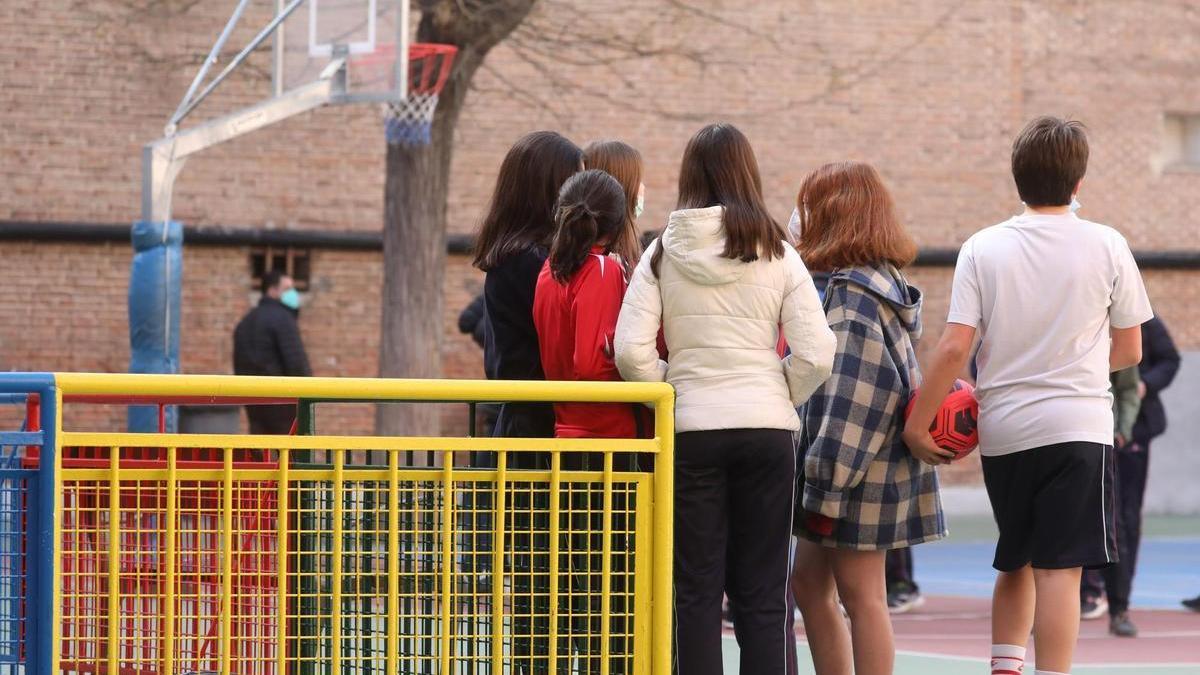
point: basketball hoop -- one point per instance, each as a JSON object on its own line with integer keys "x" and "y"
{"x": 409, "y": 122}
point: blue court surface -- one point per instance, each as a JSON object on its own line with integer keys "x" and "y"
{"x": 950, "y": 633}
{"x": 1168, "y": 567}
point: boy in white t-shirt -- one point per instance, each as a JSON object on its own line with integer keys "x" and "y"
{"x": 1057, "y": 302}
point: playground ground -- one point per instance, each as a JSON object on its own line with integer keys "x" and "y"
{"x": 950, "y": 633}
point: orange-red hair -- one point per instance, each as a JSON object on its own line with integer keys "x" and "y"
{"x": 848, "y": 218}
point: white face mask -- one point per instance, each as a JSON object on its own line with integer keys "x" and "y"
{"x": 794, "y": 225}
{"x": 1074, "y": 204}
{"x": 641, "y": 202}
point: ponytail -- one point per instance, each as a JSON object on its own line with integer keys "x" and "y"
{"x": 590, "y": 210}
{"x": 577, "y": 233}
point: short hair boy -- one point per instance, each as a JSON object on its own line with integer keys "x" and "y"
{"x": 1047, "y": 292}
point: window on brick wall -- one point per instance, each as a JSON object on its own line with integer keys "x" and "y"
{"x": 1181, "y": 140}
{"x": 294, "y": 262}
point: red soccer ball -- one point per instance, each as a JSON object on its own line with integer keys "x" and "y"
{"x": 955, "y": 427}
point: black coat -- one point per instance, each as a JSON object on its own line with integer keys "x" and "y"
{"x": 473, "y": 321}
{"x": 511, "y": 343}
{"x": 267, "y": 342}
{"x": 1160, "y": 363}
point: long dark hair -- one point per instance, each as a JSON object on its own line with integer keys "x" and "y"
{"x": 623, "y": 162}
{"x": 719, "y": 168}
{"x": 590, "y": 210}
{"x": 521, "y": 213}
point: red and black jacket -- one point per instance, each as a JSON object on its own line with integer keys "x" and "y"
{"x": 575, "y": 325}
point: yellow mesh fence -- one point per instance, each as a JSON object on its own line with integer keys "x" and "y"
{"x": 262, "y": 555}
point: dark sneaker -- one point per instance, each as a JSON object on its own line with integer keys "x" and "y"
{"x": 901, "y": 601}
{"x": 1093, "y": 608}
{"x": 1121, "y": 626}
{"x": 1193, "y": 603}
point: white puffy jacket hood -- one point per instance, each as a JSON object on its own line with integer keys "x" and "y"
{"x": 721, "y": 319}
{"x": 695, "y": 240}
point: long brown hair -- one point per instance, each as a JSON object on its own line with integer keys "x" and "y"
{"x": 848, "y": 218}
{"x": 521, "y": 213}
{"x": 719, "y": 168}
{"x": 590, "y": 210}
{"x": 623, "y": 162}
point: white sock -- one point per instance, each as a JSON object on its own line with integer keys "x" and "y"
{"x": 1008, "y": 660}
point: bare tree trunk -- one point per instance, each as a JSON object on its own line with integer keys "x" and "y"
{"x": 414, "y": 233}
{"x": 414, "y": 258}
{"x": 414, "y": 253}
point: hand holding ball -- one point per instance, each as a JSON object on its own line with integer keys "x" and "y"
{"x": 955, "y": 427}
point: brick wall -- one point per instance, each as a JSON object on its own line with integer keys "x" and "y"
{"x": 931, "y": 95}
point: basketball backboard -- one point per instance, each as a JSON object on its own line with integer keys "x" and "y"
{"x": 324, "y": 51}
{"x": 371, "y": 35}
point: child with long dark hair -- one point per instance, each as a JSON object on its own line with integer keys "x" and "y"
{"x": 722, "y": 281}
{"x": 861, "y": 492}
{"x": 578, "y": 298}
{"x": 512, "y": 245}
{"x": 575, "y": 311}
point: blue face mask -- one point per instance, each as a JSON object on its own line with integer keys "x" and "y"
{"x": 1074, "y": 205}
{"x": 290, "y": 298}
{"x": 640, "y": 206}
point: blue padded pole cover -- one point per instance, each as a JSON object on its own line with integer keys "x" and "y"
{"x": 155, "y": 293}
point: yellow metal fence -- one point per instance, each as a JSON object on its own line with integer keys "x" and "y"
{"x": 220, "y": 554}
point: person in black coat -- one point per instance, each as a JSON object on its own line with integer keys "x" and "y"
{"x": 1160, "y": 363}
{"x": 267, "y": 342}
{"x": 512, "y": 245}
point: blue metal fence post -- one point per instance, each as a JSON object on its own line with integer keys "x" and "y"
{"x": 40, "y": 628}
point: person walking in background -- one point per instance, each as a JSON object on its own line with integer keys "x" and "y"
{"x": 624, "y": 163}
{"x": 511, "y": 248}
{"x": 1058, "y": 303}
{"x": 722, "y": 281}
{"x": 267, "y": 342}
{"x": 861, "y": 492}
{"x": 903, "y": 593}
{"x": 1160, "y": 363}
{"x": 1127, "y": 402}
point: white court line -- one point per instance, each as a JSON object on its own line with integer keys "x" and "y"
{"x": 976, "y": 659}
{"x": 1150, "y": 634}
{"x": 962, "y": 616}
{"x": 942, "y": 657}
{"x": 1162, "y": 635}
{"x": 1077, "y": 666}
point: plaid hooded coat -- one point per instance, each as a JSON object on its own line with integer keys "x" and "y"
{"x": 854, "y": 468}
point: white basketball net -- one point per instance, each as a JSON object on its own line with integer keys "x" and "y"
{"x": 409, "y": 122}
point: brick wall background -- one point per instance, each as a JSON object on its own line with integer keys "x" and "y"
{"x": 931, "y": 93}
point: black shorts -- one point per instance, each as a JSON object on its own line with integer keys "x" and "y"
{"x": 1054, "y": 506}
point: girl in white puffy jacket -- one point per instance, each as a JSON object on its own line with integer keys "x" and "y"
{"x": 722, "y": 282}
